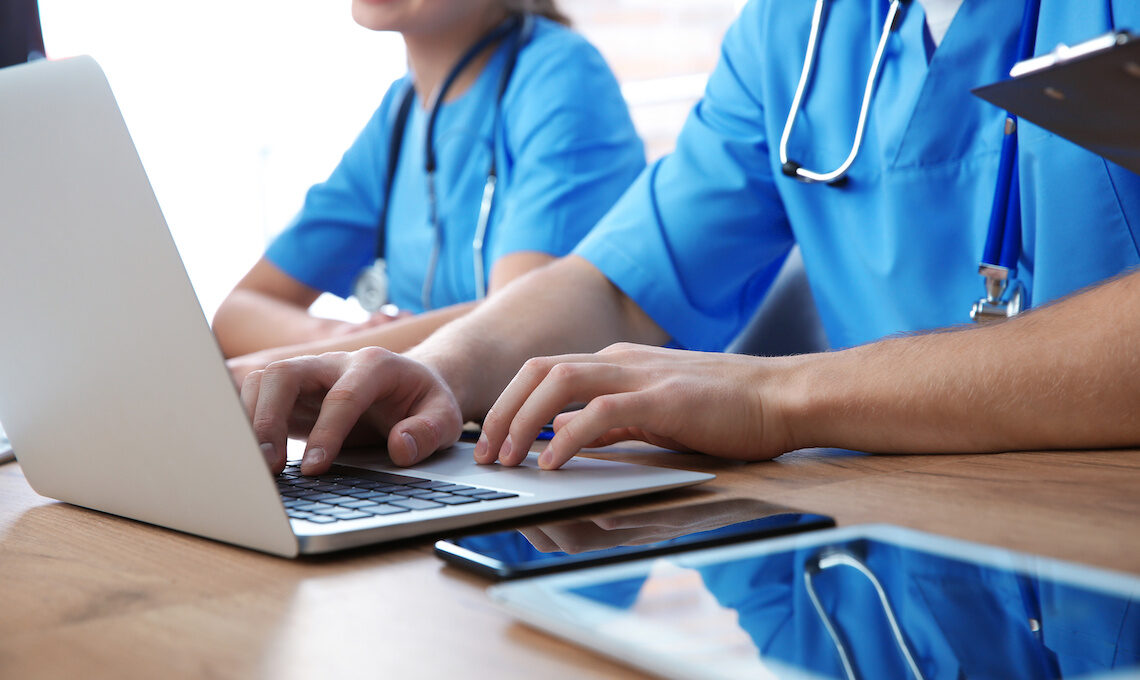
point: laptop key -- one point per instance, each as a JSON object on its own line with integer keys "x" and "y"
{"x": 416, "y": 504}
{"x": 430, "y": 484}
{"x": 456, "y": 500}
{"x": 320, "y": 519}
{"x": 393, "y": 488}
{"x": 422, "y": 493}
{"x": 404, "y": 490}
{"x": 495, "y": 495}
{"x": 314, "y": 507}
{"x": 361, "y": 473}
{"x": 383, "y": 509}
{"x": 454, "y": 487}
{"x": 380, "y": 497}
{"x": 357, "y": 504}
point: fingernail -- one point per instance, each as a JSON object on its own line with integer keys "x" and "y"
{"x": 269, "y": 452}
{"x": 505, "y": 452}
{"x": 413, "y": 450}
{"x": 545, "y": 459}
{"x": 314, "y": 456}
{"x": 481, "y": 447}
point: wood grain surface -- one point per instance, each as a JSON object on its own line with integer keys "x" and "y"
{"x": 83, "y": 594}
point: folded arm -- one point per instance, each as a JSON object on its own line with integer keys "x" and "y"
{"x": 266, "y": 314}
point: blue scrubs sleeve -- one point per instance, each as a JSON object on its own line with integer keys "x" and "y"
{"x": 571, "y": 148}
{"x": 699, "y": 237}
{"x": 333, "y": 237}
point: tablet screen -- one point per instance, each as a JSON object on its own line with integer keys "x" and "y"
{"x": 873, "y": 602}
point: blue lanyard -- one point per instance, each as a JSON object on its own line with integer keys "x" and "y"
{"x": 1004, "y": 294}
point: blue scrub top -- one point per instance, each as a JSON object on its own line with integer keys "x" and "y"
{"x": 699, "y": 237}
{"x": 566, "y": 150}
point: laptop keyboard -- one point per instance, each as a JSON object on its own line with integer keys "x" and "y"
{"x": 345, "y": 493}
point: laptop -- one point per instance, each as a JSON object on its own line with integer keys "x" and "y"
{"x": 114, "y": 391}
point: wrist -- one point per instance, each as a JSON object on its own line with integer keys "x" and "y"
{"x": 799, "y": 399}
{"x": 454, "y": 373}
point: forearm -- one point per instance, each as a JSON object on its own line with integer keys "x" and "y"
{"x": 250, "y": 321}
{"x": 397, "y": 336}
{"x": 1063, "y": 376}
{"x": 566, "y": 307}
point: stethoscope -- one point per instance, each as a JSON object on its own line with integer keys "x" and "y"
{"x": 843, "y": 558}
{"x": 1005, "y": 294}
{"x": 371, "y": 287}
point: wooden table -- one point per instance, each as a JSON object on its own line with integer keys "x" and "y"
{"x": 87, "y": 595}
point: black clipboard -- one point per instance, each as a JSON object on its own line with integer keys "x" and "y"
{"x": 1088, "y": 93}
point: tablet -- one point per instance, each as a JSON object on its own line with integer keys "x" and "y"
{"x": 1088, "y": 93}
{"x": 856, "y": 602}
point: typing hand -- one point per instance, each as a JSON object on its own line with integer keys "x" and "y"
{"x": 681, "y": 400}
{"x": 368, "y": 396}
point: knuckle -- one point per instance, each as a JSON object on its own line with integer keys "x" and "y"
{"x": 265, "y": 422}
{"x": 369, "y": 355}
{"x": 493, "y": 422}
{"x": 535, "y": 365}
{"x": 620, "y": 348}
{"x": 606, "y": 405}
{"x": 565, "y": 372}
{"x": 343, "y": 397}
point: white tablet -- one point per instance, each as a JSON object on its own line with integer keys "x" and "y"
{"x": 857, "y": 602}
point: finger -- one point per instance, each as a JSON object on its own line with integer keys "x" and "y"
{"x": 250, "y": 388}
{"x": 565, "y": 383}
{"x": 540, "y": 540}
{"x": 435, "y": 424}
{"x": 600, "y": 416}
{"x": 249, "y": 391}
{"x": 496, "y": 425}
{"x": 358, "y": 383}
{"x": 618, "y": 434}
{"x": 269, "y": 395}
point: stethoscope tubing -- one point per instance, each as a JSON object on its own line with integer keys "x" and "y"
{"x": 522, "y": 27}
{"x": 795, "y": 169}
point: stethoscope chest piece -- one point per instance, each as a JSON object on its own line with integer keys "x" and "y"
{"x": 371, "y": 287}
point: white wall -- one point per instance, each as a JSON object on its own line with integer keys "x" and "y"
{"x": 236, "y": 107}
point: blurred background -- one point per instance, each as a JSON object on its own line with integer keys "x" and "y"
{"x": 238, "y": 106}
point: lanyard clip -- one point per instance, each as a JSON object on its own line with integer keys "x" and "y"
{"x": 1004, "y": 295}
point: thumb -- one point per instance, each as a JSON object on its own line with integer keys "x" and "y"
{"x": 436, "y": 424}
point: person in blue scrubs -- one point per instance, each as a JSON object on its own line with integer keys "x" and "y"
{"x": 688, "y": 252}
{"x": 564, "y": 148}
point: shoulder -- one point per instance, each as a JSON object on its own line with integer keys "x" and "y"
{"x": 385, "y": 113}
{"x": 557, "y": 55}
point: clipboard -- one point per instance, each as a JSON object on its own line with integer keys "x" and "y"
{"x": 1088, "y": 93}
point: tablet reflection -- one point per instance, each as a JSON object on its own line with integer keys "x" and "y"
{"x": 865, "y": 609}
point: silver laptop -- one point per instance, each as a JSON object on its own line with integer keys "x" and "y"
{"x": 115, "y": 393}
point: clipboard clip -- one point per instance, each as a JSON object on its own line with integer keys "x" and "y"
{"x": 1064, "y": 53}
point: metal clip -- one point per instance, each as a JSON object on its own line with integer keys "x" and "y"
{"x": 1004, "y": 296}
